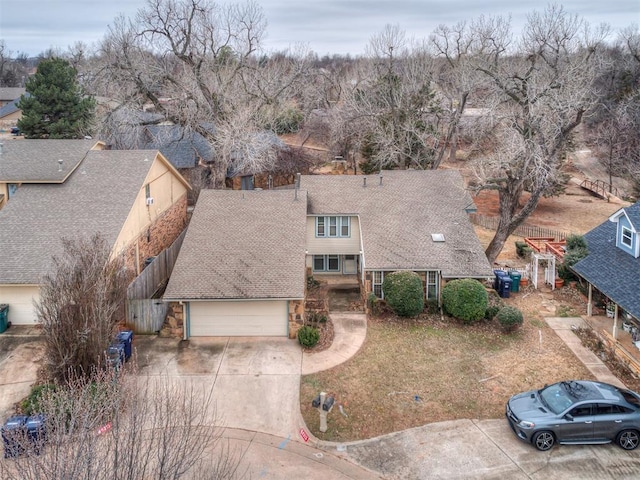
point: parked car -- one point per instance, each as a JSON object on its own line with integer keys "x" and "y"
{"x": 576, "y": 412}
{"x": 15, "y": 131}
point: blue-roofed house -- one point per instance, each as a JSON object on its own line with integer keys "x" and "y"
{"x": 612, "y": 266}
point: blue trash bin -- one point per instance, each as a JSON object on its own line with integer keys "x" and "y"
{"x": 14, "y": 436}
{"x": 115, "y": 355}
{"x": 4, "y": 317}
{"x": 36, "y": 432}
{"x": 496, "y": 281}
{"x": 504, "y": 289}
{"x": 126, "y": 338}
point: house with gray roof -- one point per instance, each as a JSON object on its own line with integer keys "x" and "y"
{"x": 613, "y": 263}
{"x": 9, "y": 94}
{"x": 247, "y": 254}
{"x": 56, "y": 189}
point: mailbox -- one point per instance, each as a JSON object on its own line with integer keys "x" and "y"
{"x": 328, "y": 403}
{"x": 315, "y": 403}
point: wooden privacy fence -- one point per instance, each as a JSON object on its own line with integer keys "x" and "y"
{"x": 146, "y": 312}
{"x": 522, "y": 231}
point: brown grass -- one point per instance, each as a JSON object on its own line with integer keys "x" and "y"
{"x": 412, "y": 372}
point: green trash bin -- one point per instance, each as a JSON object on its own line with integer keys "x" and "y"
{"x": 4, "y": 313}
{"x": 515, "y": 281}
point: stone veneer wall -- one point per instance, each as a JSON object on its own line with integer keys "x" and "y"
{"x": 296, "y": 316}
{"x": 174, "y": 324}
{"x": 159, "y": 235}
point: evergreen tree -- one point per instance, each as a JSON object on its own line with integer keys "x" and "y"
{"x": 56, "y": 106}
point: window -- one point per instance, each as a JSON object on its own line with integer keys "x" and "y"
{"x": 333, "y": 227}
{"x": 147, "y": 190}
{"x": 581, "y": 411}
{"x": 607, "y": 409}
{"x": 326, "y": 263}
{"x": 376, "y": 284}
{"x": 432, "y": 285}
{"x": 626, "y": 237}
{"x": 246, "y": 182}
{"x": 12, "y": 189}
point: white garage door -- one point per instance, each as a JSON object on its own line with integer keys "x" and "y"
{"x": 20, "y": 300}
{"x": 238, "y": 319}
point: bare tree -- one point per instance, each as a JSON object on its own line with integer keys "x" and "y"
{"x": 80, "y": 303}
{"x": 117, "y": 425}
{"x": 196, "y": 63}
{"x": 540, "y": 91}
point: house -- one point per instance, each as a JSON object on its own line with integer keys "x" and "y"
{"x": 246, "y": 256}
{"x": 9, "y": 94}
{"x": 613, "y": 263}
{"x": 56, "y": 189}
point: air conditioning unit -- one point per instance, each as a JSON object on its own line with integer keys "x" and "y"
{"x": 149, "y": 201}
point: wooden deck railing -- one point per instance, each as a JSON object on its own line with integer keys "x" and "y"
{"x": 622, "y": 352}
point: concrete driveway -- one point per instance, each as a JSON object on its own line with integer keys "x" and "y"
{"x": 21, "y": 352}
{"x": 256, "y": 380}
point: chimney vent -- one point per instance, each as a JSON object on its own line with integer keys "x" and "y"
{"x": 60, "y": 164}
{"x": 364, "y": 181}
{"x": 380, "y": 178}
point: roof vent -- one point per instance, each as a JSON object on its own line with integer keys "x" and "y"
{"x": 437, "y": 237}
{"x": 60, "y": 164}
{"x": 380, "y": 178}
{"x": 364, "y": 181}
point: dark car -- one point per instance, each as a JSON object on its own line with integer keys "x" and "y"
{"x": 15, "y": 131}
{"x": 576, "y": 412}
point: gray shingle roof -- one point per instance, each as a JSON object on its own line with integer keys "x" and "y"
{"x": 11, "y": 93}
{"x": 37, "y": 161}
{"x": 398, "y": 217}
{"x": 242, "y": 245}
{"x": 97, "y": 197}
{"x": 612, "y": 271}
{"x": 183, "y": 149}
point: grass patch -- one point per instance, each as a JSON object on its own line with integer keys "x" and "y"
{"x": 412, "y": 372}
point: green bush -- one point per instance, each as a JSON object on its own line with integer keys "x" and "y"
{"x": 308, "y": 336}
{"x": 522, "y": 249}
{"x": 465, "y": 299}
{"x": 575, "y": 241}
{"x": 288, "y": 121}
{"x": 403, "y": 293}
{"x": 576, "y": 250}
{"x": 510, "y": 318}
{"x": 31, "y": 405}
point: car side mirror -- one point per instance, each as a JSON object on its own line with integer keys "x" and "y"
{"x": 569, "y": 417}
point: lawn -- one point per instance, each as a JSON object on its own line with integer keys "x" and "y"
{"x": 412, "y": 372}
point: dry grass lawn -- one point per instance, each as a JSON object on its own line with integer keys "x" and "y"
{"x": 412, "y": 372}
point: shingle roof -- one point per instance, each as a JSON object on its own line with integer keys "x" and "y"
{"x": 37, "y": 161}
{"x": 182, "y": 149}
{"x": 97, "y": 197}
{"x": 11, "y": 93}
{"x": 10, "y": 107}
{"x": 242, "y": 245}
{"x": 398, "y": 217}
{"x": 612, "y": 271}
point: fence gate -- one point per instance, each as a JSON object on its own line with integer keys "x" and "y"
{"x": 549, "y": 262}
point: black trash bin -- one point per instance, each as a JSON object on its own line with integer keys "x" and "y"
{"x": 14, "y": 436}
{"x": 36, "y": 432}
{"x": 126, "y": 338}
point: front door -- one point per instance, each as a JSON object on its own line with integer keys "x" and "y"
{"x": 350, "y": 265}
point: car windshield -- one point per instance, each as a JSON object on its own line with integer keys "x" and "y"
{"x": 560, "y": 396}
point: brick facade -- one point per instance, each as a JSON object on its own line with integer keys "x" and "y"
{"x": 158, "y": 236}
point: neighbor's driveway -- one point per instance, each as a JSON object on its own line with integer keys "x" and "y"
{"x": 256, "y": 380}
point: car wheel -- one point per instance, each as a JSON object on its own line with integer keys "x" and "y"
{"x": 544, "y": 441}
{"x": 628, "y": 439}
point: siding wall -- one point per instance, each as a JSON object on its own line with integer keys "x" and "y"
{"x": 334, "y": 245}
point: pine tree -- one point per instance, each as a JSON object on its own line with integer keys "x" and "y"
{"x": 56, "y": 106}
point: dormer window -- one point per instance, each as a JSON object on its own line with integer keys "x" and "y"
{"x": 626, "y": 239}
{"x": 333, "y": 227}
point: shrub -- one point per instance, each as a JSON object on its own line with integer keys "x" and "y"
{"x": 576, "y": 251}
{"x": 575, "y": 241}
{"x": 32, "y": 404}
{"x": 510, "y": 318}
{"x": 403, "y": 293}
{"x": 314, "y": 317}
{"x": 522, "y": 249}
{"x": 308, "y": 336}
{"x": 465, "y": 299}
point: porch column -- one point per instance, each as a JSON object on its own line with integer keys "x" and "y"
{"x": 589, "y": 307}
{"x": 615, "y": 322}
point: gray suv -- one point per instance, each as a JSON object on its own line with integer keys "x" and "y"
{"x": 576, "y": 412}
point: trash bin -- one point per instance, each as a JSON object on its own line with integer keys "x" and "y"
{"x": 496, "y": 281}
{"x": 4, "y": 317}
{"x": 515, "y": 280}
{"x": 36, "y": 432}
{"x": 115, "y": 355}
{"x": 126, "y": 338}
{"x": 504, "y": 289}
{"x": 14, "y": 436}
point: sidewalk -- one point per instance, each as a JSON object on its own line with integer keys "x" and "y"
{"x": 563, "y": 326}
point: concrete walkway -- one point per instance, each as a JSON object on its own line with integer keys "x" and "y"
{"x": 564, "y": 326}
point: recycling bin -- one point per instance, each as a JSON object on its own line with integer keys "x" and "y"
{"x": 4, "y": 317}
{"x": 498, "y": 275}
{"x": 14, "y": 436}
{"x": 115, "y": 355}
{"x": 515, "y": 280}
{"x": 126, "y": 338}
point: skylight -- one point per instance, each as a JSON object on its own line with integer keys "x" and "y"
{"x": 437, "y": 237}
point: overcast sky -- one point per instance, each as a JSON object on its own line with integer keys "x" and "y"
{"x": 325, "y": 26}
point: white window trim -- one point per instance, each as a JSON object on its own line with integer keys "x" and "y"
{"x": 623, "y": 237}
{"x": 340, "y": 222}
{"x": 325, "y": 263}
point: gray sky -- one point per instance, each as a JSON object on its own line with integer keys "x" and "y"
{"x": 325, "y": 26}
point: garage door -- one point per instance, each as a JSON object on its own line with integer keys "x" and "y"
{"x": 238, "y": 319}
{"x": 20, "y": 300}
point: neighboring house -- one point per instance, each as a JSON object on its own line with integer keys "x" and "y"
{"x": 184, "y": 149}
{"x": 75, "y": 188}
{"x": 613, "y": 263}
{"x": 9, "y": 111}
{"x": 246, "y": 256}
{"x": 9, "y": 94}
